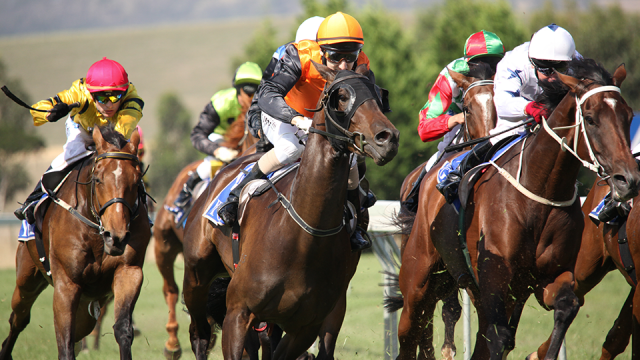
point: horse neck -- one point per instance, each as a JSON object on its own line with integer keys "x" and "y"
{"x": 547, "y": 170}
{"x": 319, "y": 188}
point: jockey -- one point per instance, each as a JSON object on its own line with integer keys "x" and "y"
{"x": 516, "y": 88}
{"x": 306, "y": 31}
{"x": 105, "y": 96}
{"x": 442, "y": 114}
{"x": 218, "y": 114}
{"x": 294, "y": 87}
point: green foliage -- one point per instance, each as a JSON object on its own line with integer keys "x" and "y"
{"x": 606, "y": 34}
{"x": 172, "y": 149}
{"x": 16, "y": 137}
{"x": 260, "y": 49}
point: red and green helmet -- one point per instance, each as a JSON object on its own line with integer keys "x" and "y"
{"x": 483, "y": 43}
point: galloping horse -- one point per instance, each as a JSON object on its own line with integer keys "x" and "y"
{"x": 168, "y": 235}
{"x": 480, "y": 117}
{"x": 293, "y": 273}
{"x": 526, "y": 239}
{"x": 95, "y": 249}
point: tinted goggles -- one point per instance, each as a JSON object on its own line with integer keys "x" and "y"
{"x": 105, "y": 97}
{"x": 547, "y": 68}
{"x": 336, "y": 57}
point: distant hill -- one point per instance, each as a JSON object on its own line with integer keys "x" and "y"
{"x": 35, "y": 16}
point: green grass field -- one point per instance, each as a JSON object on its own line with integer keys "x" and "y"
{"x": 361, "y": 336}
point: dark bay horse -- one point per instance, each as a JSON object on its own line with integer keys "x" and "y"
{"x": 521, "y": 244}
{"x": 168, "y": 235}
{"x": 88, "y": 264}
{"x": 285, "y": 274}
{"x": 480, "y": 117}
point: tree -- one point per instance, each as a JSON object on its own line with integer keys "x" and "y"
{"x": 172, "y": 149}
{"x": 15, "y": 139}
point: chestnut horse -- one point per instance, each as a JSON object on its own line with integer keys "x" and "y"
{"x": 168, "y": 235}
{"x": 480, "y": 117}
{"x": 521, "y": 240}
{"x": 95, "y": 250}
{"x": 289, "y": 275}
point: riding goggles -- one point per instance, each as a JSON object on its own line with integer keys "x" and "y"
{"x": 105, "y": 97}
{"x": 337, "y": 56}
{"x": 547, "y": 68}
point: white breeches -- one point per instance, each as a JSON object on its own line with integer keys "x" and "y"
{"x": 285, "y": 139}
{"x": 78, "y": 140}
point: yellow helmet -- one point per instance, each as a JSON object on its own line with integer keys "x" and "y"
{"x": 340, "y": 32}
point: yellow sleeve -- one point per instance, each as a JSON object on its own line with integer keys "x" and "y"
{"x": 130, "y": 113}
{"x": 74, "y": 94}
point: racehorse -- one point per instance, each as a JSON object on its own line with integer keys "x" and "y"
{"x": 292, "y": 273}
{"x": 480, "y": 117}
{"x": 168, "y": 234}
{"x": 95, "y": 249}
{"x": 521, "y": 240}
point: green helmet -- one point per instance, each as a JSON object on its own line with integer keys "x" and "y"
{"x": 247, "y": 73}
{"x": 483, "y": 43}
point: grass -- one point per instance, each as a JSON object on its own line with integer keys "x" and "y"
{"x": 361, "y": 336}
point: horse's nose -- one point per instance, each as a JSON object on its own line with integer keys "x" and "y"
{"x": 113, "y": 244}
{"x": 384, "y": 137}
{"x": 625, "y": 187}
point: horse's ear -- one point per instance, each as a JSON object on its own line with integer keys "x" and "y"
{"x": 570, "y": 81}
{"x": 619, "y": 75}
{"x": 461, "y": 80}
{"x": 97, "y": 138}
{"x": 362, "y": 69}
{"x": 324, "y": 71}
{"x": 134, "y": 142}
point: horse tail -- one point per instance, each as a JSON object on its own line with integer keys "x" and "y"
{"x": 217, "y": 300}
{"x": 392, "y": 302}
{"x": 403, "y": 220}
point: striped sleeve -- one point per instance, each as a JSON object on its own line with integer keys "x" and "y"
{"x": 433, "y": 116}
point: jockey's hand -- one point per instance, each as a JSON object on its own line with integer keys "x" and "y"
{"x": 60, "y": 110}
{"x": 225, "y": 154}
{"x": 303, "y": 123}
{"x": 536, "y": 110}
{"x": 455, "y": 120}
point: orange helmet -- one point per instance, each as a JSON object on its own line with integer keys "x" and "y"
{"x": 340, "y": 32}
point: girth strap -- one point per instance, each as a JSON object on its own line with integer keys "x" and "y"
{"x": 625, "y": 253}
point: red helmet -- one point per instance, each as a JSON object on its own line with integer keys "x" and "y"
{"x": 107, "y": 75}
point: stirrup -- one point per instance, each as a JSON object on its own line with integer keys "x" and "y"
{"x": 360, "y": 240}
{"x": 228, "y": 211}
{"x": 183, "y": 198}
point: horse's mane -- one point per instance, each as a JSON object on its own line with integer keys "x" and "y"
{"x": 481, "y": 71}
{"x": 235, "y": 132}
{"x": 583, "y": 68}
{"x": 112, "y": 136}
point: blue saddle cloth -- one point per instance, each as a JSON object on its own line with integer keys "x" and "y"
{"x": 27, "y": 231}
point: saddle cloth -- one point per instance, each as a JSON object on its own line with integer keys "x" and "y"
{"x": 253, "y": 188}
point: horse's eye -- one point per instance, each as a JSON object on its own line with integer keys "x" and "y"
{"x": 589, "y": 120}
{"x": 96, "y": 180}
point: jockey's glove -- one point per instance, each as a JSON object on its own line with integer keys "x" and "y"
{"x": 60, "y": 110}
{"x": 225, "y": 154}
{"x": 536, "y": 110}
{"x": 302, "y": 122}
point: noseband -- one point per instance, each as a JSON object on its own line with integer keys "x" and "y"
{"x": 360, "y": 89}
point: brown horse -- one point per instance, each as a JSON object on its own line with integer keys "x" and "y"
{"x": 480, "y": 117}
{"x": 168, "y": 235}
{"x": 92, "y": 256}
{"x": 285, "y": 274}
{"x": 520, "y": 244}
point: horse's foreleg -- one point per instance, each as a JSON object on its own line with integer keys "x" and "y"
{"x": 451, "y": 311}
{"x": 295, "y": 344}
{"x": 235, "y": 331}
{"x": 618, "y": 337}
{"x": 66, "y": 297}
{"x": 29, "y": 284}
{"x": 330, "y": 329}
{"x": 166, "y": 252}
{"x": 196, "y": 288}
{"x": 559, "y": 296}
{"x": 127, "y": 282}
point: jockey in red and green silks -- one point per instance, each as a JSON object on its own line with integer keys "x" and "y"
{"x": 442, "y": 114}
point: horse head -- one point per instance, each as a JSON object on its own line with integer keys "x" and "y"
{"x": 116, "y": 177}
{"x": 480, "y": 114}
{"x": 603, "y": 119}
{"x": 352, "y": 113}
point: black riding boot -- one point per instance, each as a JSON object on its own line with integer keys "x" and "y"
{"x": 449, "y": 187}
{"x": 25, "y": 212}
{"x": 187, "y": 190}
{"x": 613, "y": 209}
{"x": 228, "y": 212}
{"x": 359, "y": 239}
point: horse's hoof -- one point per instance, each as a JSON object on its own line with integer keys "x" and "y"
{"x": 306, "y": 356}
{"x": 533, "y": 356}
{"x": 448, "y": 354}
{"x": 172, "y": 354}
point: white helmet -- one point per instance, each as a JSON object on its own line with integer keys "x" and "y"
{"x": 309, "y": 29}
{"x": 552, "y": 43}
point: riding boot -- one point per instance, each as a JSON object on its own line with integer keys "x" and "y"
{"x": 476, "y": 156}
{"x": 263, "y": 145}
{"x": 359, "y": 239}
{"x": 26, "y": 211}
{"x": 187, "y": 190}
{"x": 614, "y": 209}
{"x": 411, "y": 202}
{"x": 228, "y": 212}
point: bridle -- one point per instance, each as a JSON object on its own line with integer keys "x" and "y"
{"x": 465, "y": 128}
